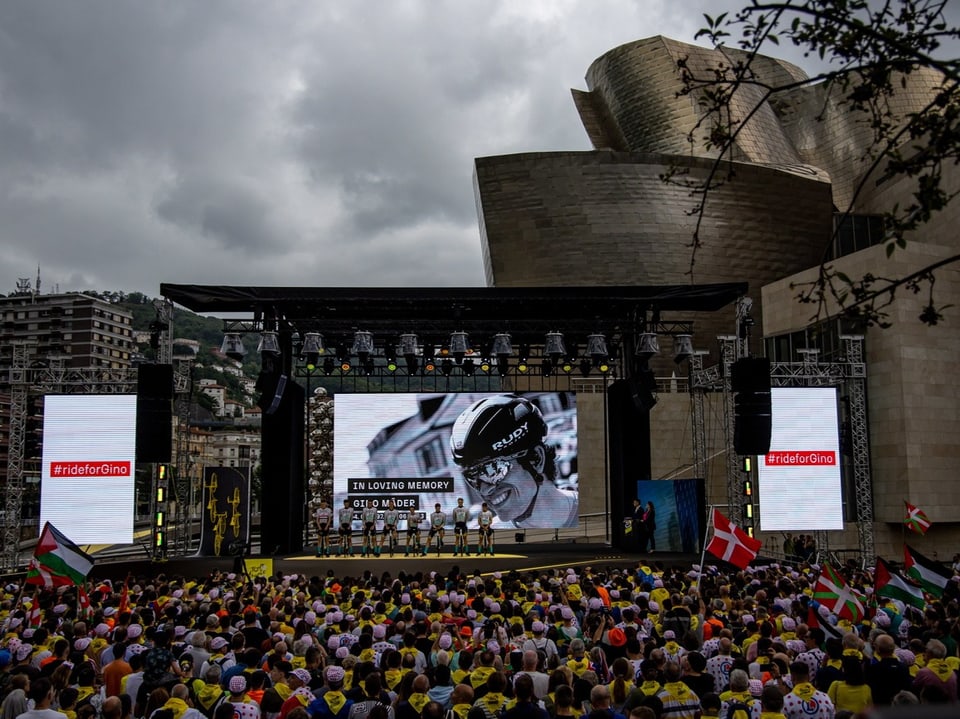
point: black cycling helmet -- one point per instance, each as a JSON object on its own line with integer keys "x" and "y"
{"x": 499, "y": 426}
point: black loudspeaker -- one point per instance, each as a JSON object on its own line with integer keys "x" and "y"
{"x": 643, "y": 385}
{"x": 154, "y": 413}
{"x": 282, "y": 494}
{"x": 753, "y": 416}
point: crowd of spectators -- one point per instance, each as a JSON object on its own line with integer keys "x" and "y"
{"x": 642, "y": 642}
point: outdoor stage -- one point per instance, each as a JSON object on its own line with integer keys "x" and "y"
{"x": 523, "y": 558}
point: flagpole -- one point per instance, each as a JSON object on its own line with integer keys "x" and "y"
{"x": 903, "y": 531}
{"x": 703, "y": 550}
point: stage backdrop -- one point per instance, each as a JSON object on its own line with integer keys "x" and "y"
{"x": 680, "y": 507}
{"x": 225, "y": 529}
{"x": 397, "y": 446}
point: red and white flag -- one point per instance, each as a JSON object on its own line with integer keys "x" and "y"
{"x": 732, "y": 544}
{"x": 915, "y": 519}
{"x": 34, "y": 618}
{"x": 838, "y": 596}
{"x": 84, "y": 610}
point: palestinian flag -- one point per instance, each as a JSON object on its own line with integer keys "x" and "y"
{"x": 915, "y": 519}
{"x": 931, "y": 575}
{"x": 57, "y": 561}
{"x": 814, "y": 621}
{"x": 837, "y": 596}
{"x": 891, "y": 585}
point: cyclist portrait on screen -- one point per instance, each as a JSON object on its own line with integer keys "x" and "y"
{"x": 500, "y": 445}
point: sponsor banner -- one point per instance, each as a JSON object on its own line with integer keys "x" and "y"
{"x": 225, "y": 528}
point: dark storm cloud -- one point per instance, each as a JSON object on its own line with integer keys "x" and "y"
{"x": 291, "y": 142}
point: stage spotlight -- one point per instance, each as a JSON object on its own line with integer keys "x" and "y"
{"x": 269, "y": 343}
{"x": 648, "y": 346}
{"x": 368, "y": 366}
{"x": 232, "y": 346}
{"x": 486, "y": 366}
{"x": 553, "y": 347}
{"x": 585, "y": 366}
{"x": 408, "y": 348}
{"x": 567, "y": 365}
{"x": 312, "y": 349}
{"x": 429, "y": 360}
{"x": 604, "y": 366}
{"x": 446, "y": 367}
{"x": 468, "y": 367}
{"x": 597, "y": 348}
{"x": 328, "y": 366}
{"x": 343, "y": 357}
{"x": 523, "y": 361}
{"x": 501, "y": 346}
{"x": 546, "y": 367}
{"x": 682, "y": 348}
{"x": 362, "y": 345}
{"x": 390, "y": 356}
{"x": 459, "y": 346}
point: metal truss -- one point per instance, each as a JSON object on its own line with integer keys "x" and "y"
{"x": 860, "y": 438}
{"x": 698, "y": 415}
{"x": 730, "y": 348}
{"x": 26, "y": 377}
{"x": 13, "y": 506}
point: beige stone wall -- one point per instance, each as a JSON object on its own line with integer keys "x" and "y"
{"x": 671, "y": 446}
{"x": 913, "y": 393}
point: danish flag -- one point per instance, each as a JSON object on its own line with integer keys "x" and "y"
{"x": 732, "y": 544}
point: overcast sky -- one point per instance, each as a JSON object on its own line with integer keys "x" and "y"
{"x": 310, "y": 143}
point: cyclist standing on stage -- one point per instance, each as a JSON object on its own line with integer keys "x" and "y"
{"x": 413, "y": 531}
{"x": 323, "y": 517}
{"x": 485, "y": 522}
{"x": 369, "y": 528}
{"x": 345, "y": 515}
{"x": 437, "y": 520}
{"x": 390, "y": 518}
{"x": 461, "y": 515}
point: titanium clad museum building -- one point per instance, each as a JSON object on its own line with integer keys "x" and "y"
{"x": 607, "y": 217}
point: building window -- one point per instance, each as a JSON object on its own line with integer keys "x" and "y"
{"x": 853, "y": 233}
{"x": 431, "y": 456}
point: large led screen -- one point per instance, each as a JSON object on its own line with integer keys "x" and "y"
{"x": 87, "y": 479}
{"x": 517, "y": 453}
{"x": 799, "y": 478}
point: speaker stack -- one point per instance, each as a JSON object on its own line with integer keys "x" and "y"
{"x": 753, "y": 416}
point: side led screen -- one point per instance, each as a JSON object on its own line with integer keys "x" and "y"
{"x": 87, "y": 479}
{"x": 799, "y": 479}
{"x": 517, "y": 453}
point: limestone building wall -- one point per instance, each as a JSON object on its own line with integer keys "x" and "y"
{"x": 913, "y": 395}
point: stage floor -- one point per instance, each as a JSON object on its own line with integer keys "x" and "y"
{"x": 523, "y": 558}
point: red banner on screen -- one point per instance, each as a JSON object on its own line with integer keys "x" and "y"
{"x": 801, "y": 458}
{"x": 90, "y": 468}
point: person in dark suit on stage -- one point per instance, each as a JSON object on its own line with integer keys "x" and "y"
{"x": 650, "y": 526}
